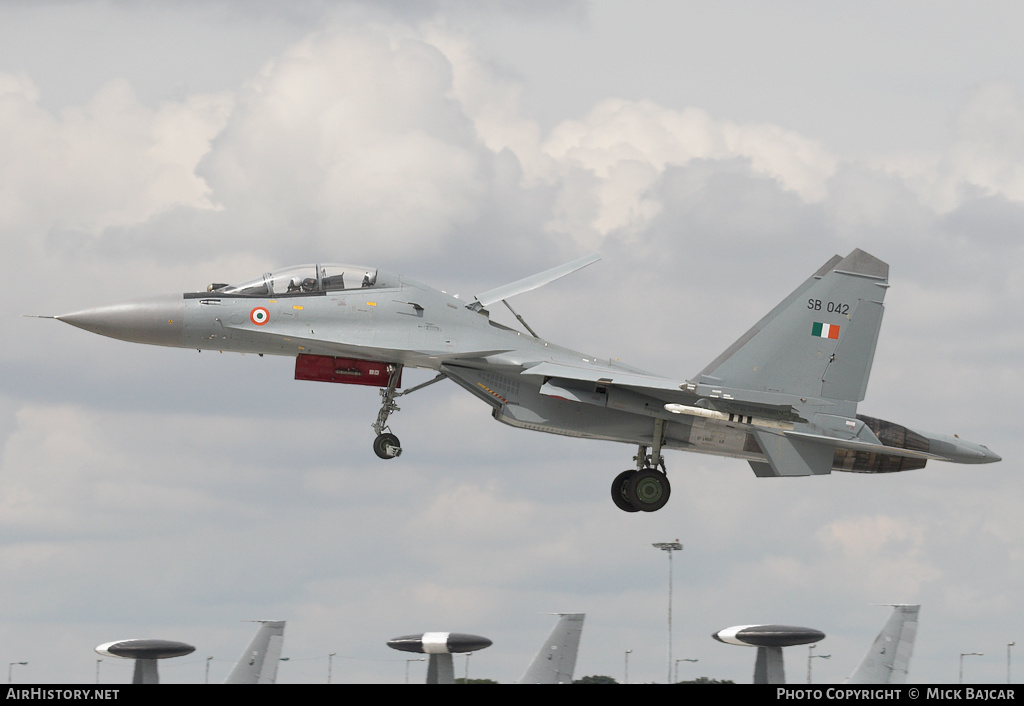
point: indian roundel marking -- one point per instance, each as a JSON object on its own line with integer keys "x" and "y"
{"x": 259, "y": 316}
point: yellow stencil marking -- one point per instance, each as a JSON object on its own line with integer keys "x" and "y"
{"x": 492, "y": 392}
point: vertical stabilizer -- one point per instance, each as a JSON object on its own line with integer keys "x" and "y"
{"x": 556, "y": 660}
{"x": 258, "y": 664}
{"x": 819, "y": 341}
{"x": 888, "y": 660}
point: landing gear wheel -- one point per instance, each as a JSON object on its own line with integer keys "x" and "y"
{"x": 620, "y": 489}
{"x": 387, "y": 446}
{"x": 648, "y": 490}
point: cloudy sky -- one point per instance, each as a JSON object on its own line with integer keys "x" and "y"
{"x": 714, "y": 154}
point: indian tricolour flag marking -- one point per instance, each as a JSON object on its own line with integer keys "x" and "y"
{"x": 824, "y": 330}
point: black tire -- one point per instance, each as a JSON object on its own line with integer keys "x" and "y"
{"x": 648, "y": 490}
{"x": 620, "y": 488}
{"x": 387, "y": 446}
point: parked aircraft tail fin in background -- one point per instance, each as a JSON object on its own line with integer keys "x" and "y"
{"x": 258, "y": 664}
{"x": 819, "y": 341}
{"x": 556, "y": 660}
{"x": 888, "y": 659}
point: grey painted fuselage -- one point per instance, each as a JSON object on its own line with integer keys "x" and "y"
{"x": 401, "y": 321}
{"x": 783, "y": 397}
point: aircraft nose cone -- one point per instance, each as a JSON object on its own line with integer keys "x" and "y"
{"x": 156, "y": 320}
{"x": 991, "y": 457}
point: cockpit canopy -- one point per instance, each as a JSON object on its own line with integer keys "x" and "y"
{"x": 304, "y": 279}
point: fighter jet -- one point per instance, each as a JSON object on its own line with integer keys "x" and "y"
{"x": 783, "y": 397}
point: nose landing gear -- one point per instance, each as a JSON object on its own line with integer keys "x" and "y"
{"x": 386, "y": 445}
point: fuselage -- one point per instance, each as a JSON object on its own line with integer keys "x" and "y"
{"x": 398, "y": 320}
{"x": 352, "y": 312}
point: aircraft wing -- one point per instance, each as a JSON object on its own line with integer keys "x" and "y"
{"x": 667, "y": 390}
{"x": 854, "y": 445}
{"x": 532, "y": 282}
{"x": 607, "y": 375}
{"x": 771, "y": 416}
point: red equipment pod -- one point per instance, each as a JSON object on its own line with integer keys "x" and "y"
{"x": 326, "y": 368}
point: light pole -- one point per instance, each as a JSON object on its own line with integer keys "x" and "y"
{"x": 626, "y": 680}
{"x": 416, "y": 659}
{"x": 98, "y": 670}
{"x": 681, "y": 659}
{"x": 10, "y": 666}
{"x": 1008, "y": 646}
{"x": 967, "y": 654}
{"x": 810, "y": 656}
{"x": 330, "y": 664}
{"x": 669, "y": 547}
{"x": 208, "y": 670}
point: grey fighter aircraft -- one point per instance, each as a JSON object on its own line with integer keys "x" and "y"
{"x": 783, "y": 397}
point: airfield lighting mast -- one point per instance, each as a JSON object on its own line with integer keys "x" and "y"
{"x": 683, "y": 659}
{"x": 414, "y": 659}
{"x": 669, "y": 547}
{"x": 10, "y": 666}
{"x": 810, "y": 656}
{"x": 967, "y": 654}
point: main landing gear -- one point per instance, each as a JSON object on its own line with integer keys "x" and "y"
{"x": 645, "y": 489}
{"x": 387, "y": 445}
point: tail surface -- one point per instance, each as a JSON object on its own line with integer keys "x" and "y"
{"x": 258, "y": 664}
{"x": 556, "y": 660}
{"x": 888, "y": 660}
{"x": 819, "y": 341}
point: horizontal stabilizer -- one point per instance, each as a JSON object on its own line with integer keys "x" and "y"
{"x": 792, "y": 456}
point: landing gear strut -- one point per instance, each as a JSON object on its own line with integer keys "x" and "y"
{"x": 386, "y": 445}
{"x": 647, "y": 488}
